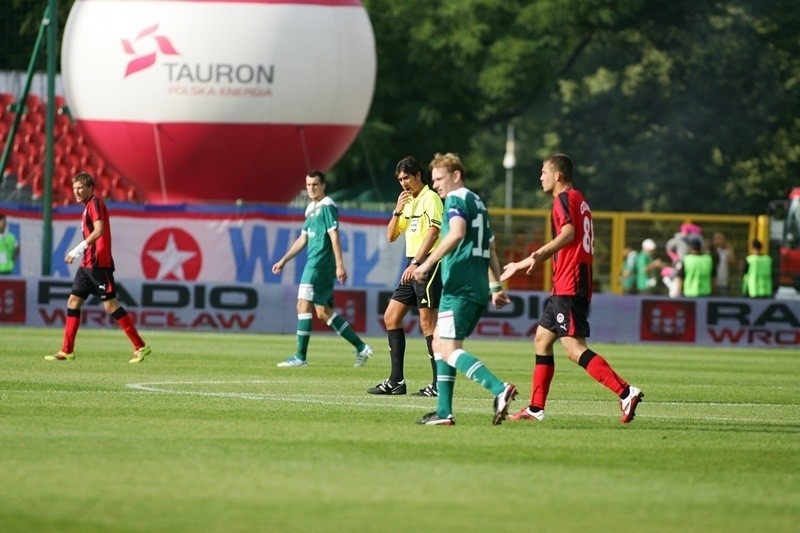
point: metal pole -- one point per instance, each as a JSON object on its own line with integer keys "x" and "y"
{"x": 19, "y": 107}
{"x": 509, "y": 162}
{"x": 51, "y": 19}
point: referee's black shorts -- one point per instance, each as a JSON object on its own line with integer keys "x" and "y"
{"x": 421, "y": 293}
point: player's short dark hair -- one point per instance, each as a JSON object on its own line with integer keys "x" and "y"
{"x": 563, "y": 164}
{"x": 756, "y": 244}
{"x": 316, "y": 174}
{"x": 85, "y": 178}
{"x": 409, "y": 165}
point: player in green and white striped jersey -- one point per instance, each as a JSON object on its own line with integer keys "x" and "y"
{"x": 470, "y": 270}
{"x": 324, "y": 264}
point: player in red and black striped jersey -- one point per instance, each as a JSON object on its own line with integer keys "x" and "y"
{"x": 95, "y": 275}
{"x": 565, "y": 316}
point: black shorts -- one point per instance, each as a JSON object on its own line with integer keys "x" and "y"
{"x": 566, "y": 316}
{"x": 94, "y": 281}
{"x": 421, "y": 294}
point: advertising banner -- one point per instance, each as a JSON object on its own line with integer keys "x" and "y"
{"x": 270, "y": 308}
{"x": 210, "y": 244}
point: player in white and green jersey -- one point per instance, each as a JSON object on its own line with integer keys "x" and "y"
{"x": 324, "y": 264}
{"x": 470, "y": 272}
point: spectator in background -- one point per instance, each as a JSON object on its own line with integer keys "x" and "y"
{"x": 9, "y": 248}
{"x": 628, "y": 277}
{"x": 647, "y": 268}
{"x": 696, "y": 271}
{"x": 723, "y": 259}
{"x": 757, "y": 279}
{"x": 677, "y": 248}
{"x": 679, "y": 245}
{"x": 524, "y": 244}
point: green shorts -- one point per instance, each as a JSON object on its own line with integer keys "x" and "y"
{"x": 316, "y": 287}
{"x": 458, "y": 317}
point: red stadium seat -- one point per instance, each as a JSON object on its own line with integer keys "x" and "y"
{"x": 25, "y": 129}
{"x": 37, "y": 182}
{"x": 33, "y": 104}
{"x": 22, "y": 176}
{"x": 30, "y": 151}
{"x": 37, "y": 120}
{"x": 6, "y": 99}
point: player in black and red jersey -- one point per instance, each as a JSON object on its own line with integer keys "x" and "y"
{"x": 565, "y": 314}
{"x": 95, "y": 275}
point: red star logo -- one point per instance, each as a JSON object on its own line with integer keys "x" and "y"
{"x": 171, "y": 254}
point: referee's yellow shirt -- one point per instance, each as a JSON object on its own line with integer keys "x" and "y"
{"x": 419, "y": 215}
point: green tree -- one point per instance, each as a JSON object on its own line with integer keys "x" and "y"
{"x": 665, "y": 106}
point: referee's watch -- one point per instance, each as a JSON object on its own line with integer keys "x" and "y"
{"x": 397, "y": 213}
{"x": 415, "y": 262}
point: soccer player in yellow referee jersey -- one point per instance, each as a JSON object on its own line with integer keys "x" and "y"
{"x": 418, "y": 215}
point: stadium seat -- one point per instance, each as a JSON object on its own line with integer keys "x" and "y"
{"x": 37, "y": 120}
{"x": 72, "y": 153}
{"x": 30, "y": 151}
{"x": 6, "y": 99}
{"x": 37, "y": 182}
{"x": 33, "y": 104}
{"x": 25, "y": 129}
{"x": 22, "y": 176}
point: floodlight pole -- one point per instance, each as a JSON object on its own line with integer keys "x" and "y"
{"x": 51, "y": 20}
{"x": 19, "y": 106}
{"x": 509, "y": 162}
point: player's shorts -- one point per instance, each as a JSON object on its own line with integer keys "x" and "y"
{"x": 458, "y": 317}
{"x": 316, "y": 287}
{"x": 566, "y": 316}
{"x": 421, "y": 294}
{"x": 95, "y": 281}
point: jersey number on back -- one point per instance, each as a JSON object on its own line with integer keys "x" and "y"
{"x": 478, "y": 250}
{"x": 588, "y": 235}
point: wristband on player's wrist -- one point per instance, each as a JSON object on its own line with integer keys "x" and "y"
{"x": 78, "y": 250}
{"x": 495, "y": 286}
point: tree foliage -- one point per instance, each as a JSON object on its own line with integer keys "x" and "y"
{"x": 665, "y": 106}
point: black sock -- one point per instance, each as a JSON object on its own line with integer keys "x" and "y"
{"x": 397, "y": 352}
{"x": 429, "y": 341}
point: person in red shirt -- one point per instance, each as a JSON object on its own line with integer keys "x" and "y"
{"x": 565, "y": 315}
{"x": 95, "y": 275}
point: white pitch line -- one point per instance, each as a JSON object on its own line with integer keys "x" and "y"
{"x": 165, "y": 387}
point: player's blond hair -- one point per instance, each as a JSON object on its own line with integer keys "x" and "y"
{"x": 449, "y": 161}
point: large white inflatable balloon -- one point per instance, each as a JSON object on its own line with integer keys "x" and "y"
{"x": 219, "y": 99}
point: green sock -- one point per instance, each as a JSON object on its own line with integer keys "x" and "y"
{"x": 474, "y": 370}
{"x": 303, "y": 334}
{"x": 445, "y": 382}
{"x": 343, "y": 329}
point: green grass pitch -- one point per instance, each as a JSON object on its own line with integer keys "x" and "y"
{"x": 208, "y": 435}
